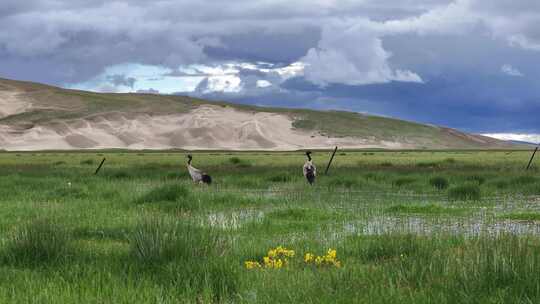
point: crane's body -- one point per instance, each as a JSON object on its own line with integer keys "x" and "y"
{"x": 309, "y": 169}
{"x": 197, "y": 175}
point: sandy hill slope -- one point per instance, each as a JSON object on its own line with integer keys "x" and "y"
{"x": 38, "y": 117}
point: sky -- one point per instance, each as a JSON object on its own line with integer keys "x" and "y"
{"x": 467, "y": 64}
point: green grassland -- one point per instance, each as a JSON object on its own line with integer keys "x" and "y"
{"x": 408, "y": 227}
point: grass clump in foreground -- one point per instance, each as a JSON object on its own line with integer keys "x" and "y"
{"x": 199, "y": 258}
{"x": 488, "y": 269}
{"x": 37, "y": 243}
{"x": 465, "y": 192}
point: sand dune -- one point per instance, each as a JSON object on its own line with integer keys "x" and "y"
{"x": 12, "y": 103}
{"x": 207, "y": 127}
{"x": 40, "y": 117}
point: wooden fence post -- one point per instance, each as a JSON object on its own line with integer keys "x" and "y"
{"x": 330, "y": 162}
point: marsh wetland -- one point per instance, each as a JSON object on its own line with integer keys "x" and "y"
{"x": 406, "y": 227}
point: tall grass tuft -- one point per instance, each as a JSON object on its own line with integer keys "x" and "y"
{"x": 344, "y": 182}
{"x": 119, "y": 175}
{"x": 39, "y": 242}
{"x": 384, "y": 247}
{"x": 87, "y": 162}
{"x": 439, "y": 182}
{"x": 197, "y": 257}
{"x": 500, "y": 183}
{"x": 482, "y": 269}
{"x": 533, "y": 189}
{"x": 68, "y": 192}
{"x": 524, "y": 180}
{"x": 235, "y": 160}
{"x": 470, "y": 191}
{"x": 280, "y": 178}
{"x": 171, "y": 198}
{"x": 427, "y": 165}
{"x": 239, "y": 162}
{"x": 403, "y": 181}
{"x": 165, "y": 193}
{"x": 162, "y": 240}
{"x": 475, "y": 178}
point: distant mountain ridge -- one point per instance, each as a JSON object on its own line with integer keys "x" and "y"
{"x": 37, "y": 117}
{"x": 520, "y": 142}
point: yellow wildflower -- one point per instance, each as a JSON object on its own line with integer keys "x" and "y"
{"x": 252, "y": 264}
{"x": 332, "y": 253}
{"x": 279, "y": 257}
{"x": 329, "y": 259}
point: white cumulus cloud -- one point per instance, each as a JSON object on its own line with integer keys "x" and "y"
{"x": 531, "y": 138}
{"x": 511, "y": 71}
{"x": 353, "y": 56}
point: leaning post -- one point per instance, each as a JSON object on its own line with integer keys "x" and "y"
{"x": 330, "y": 161}
{"x": 532, "y": 157}
{"x": 99, "y": 167}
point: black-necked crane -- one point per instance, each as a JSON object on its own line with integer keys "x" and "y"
{"x": 197, "y": 175}
{"x": 309, "y": 169}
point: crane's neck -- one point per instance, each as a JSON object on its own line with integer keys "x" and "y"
{"x": 308, "y": 157}
{"x": 189, "y": 161}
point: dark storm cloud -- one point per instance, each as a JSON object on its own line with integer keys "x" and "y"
{"x": 83, "y": 37}
{"x": 266, "y": 47}
{"x": 413, "y": 59}
{"x": 482, "y": 105}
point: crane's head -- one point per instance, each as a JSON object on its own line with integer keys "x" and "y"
{"x": 308, "y": 154}
{"x": 189, "y": 157}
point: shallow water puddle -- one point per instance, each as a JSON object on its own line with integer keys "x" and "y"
{"x": 469, "y": 226}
